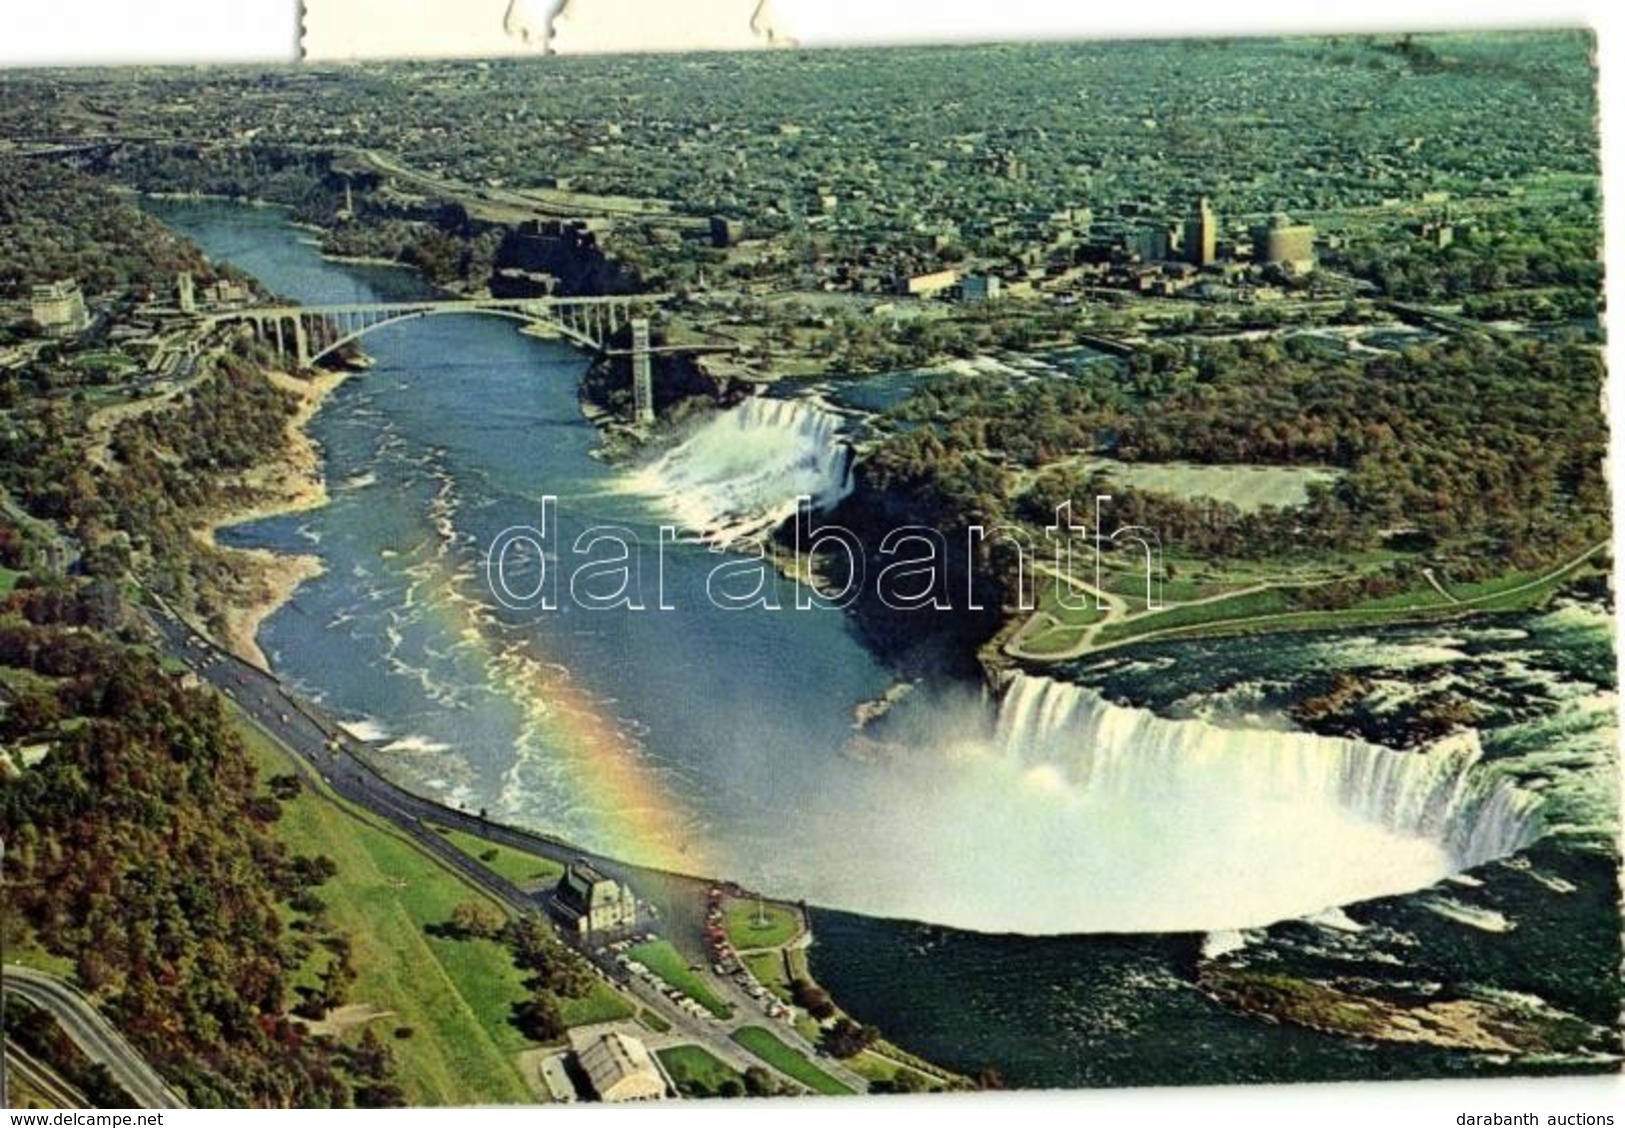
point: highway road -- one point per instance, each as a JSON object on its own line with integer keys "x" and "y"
{"x": 56, "y": 1092}
{"x": 94, "y": 1035}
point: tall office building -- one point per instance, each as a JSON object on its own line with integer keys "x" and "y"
{"x": 1202, "y": 234}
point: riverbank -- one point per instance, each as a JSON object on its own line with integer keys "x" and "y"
{"x": 291, "y": 481}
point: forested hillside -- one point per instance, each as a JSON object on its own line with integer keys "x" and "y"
{"x": 138, "y": 851}
{"x": 1486, "y": 453}
{"x": 56, "y": 223}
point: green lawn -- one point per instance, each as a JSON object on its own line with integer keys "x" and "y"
{"x": 668, "y": 963}
{"x": 23, "y": 948}
{"x": 1496, "y": 595}
{"x": 108, "y": 361}
{"x": 1248, "y": 606}
{"x": 1423, "y": 598}
{"x": 875, "y": 1067}
{"x": 455, "y": 995}
{"x": 774, "y": 927}
{"x": 1082, "y": 610}
{"x": 1131, "y": 586}
{"x": 1242, "y": 614}
{"x": 1248, "y": 488}
{"x": 654, "y": 1022}
{"x": 525, "y": 870}
{"x": 1269, "y": 610}
{"x": 768, "y": 968}
{"x": 697, "y": 1072}
{"x": 766, "y": 1045}
{"x": 1052, "y": 642}
{"x": 601, "y": 1004}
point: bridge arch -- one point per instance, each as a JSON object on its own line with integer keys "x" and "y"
{"x": 589, "y": 322}
{"x": 570, "y": 333}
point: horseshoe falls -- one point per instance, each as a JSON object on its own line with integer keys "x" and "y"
{"x": 1067, "y": 813}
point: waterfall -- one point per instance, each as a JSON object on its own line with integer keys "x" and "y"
{"x": 738, "y": 476}
{"x": 1052, "y": 810}
{"x": 1442, "y": 793}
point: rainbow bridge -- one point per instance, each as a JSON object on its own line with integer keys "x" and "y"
{"x": 308, "y": 334}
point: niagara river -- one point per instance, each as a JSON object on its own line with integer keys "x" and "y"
{"x": 713, "y": 742}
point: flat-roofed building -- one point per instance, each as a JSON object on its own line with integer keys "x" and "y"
{"x": 928, "y": 285}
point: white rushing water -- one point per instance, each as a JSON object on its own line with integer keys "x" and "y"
{"x": 737, "y": 477}
{"x": 1112, "y": 752}
{"x": 1078, "y": 815}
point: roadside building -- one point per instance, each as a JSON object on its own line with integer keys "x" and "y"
{"x": 726, "y": 232}
{"x": 620, "y": 1068}
{"x": 59, "y": 309}
{"x": 928, "y": 285}
{"x": 586, "y": 901}
{"x": 1439, "y": 232}
{"x": 1148, "y": 244}
{"x": 983, "y": 288}
{"x": 225, "y": 294}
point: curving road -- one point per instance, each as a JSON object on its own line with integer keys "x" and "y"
{"x": 94, "y": 1035}
{"x": 56, "y": 1092}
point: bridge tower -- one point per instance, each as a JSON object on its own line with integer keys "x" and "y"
{"x": 643, "y": 386}
{"x": 301, "y": 343}
{"x": 186, "y": 292}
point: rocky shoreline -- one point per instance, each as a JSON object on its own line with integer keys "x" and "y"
{"x": 292, "y": 481}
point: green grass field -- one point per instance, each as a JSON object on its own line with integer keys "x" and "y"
{"x": 106, "y": 361}
{"x": 668, "y": 963}
{"x": 601, "y": 1004}
{"x": 1423, "y": 598}
{"x": 1268, "y": 611}
{"x": 525, "y": 870}
{"x": 654, "y": 1022}
{"x": 768, "y": 968}
{"x": 23, "y": 948}
{"x": 455, "y": 995}
{"x": 877, "y": 1067}
{"x": 1248, "y": 606}
{"x": 774, "y": 927}
{"x": 697, "y": 1072}
{"x": 766, "y": 1045}
{"x": 1081, "y": 610}
{"x": 1248, "y": 488}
